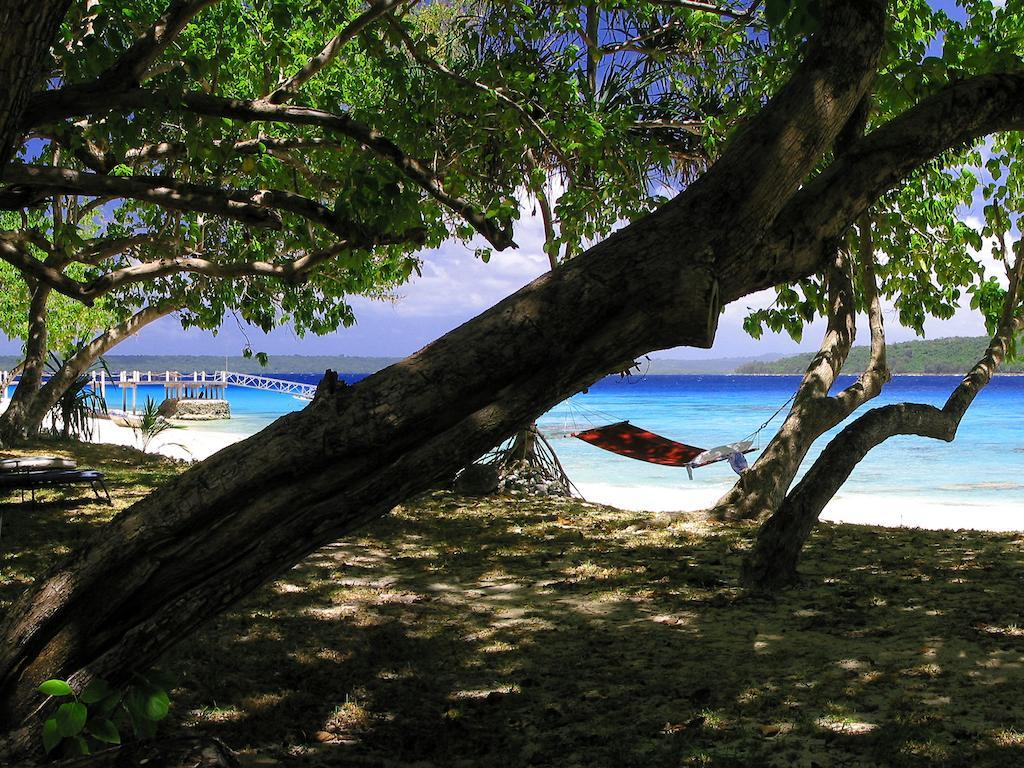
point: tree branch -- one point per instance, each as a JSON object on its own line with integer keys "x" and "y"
{"x": 51, "y": 106}
{"x": 876, "y": 374}
{"x": 824, "y": 208}
{"x": 173, "y": 149}
{"x": 30, "y": 181}
{"x": 773, "y": 560}
{"x": 255, "y": 207}
{"x": 101, "y": 249}
{"x": 130, "y": 69}
{"x": 287, "y": 89}
{"x": 294, "y": 271}
{"x": 697, "y": 5}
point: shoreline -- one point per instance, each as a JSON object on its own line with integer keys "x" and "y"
{"x": 848, "y": 507}
{"x": 195, "y": 444}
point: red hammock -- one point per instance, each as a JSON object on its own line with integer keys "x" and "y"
{"x": 626, "y": 440}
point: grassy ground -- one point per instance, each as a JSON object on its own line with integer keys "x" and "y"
{"x": 460, "y": 632}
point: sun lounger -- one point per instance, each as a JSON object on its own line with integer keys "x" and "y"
{"x": 31, "y": 479}
{"x": 32, "y": 472}
{"x": 36, "y": 462}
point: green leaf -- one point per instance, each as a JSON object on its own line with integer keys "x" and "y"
{"x": 81, "y": 745}
{"x": 51, "y": 735}
{"x": 157, "y": 705}
{"x": 56, "y": 688}
{"x": 104, "y": 730}
{"x": 71, "y": 718}
{"x": 95, "y": 691}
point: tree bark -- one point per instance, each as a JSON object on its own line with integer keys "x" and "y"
{"x": 761, "y": 489}
{"x": 219, "y": 530}
{"x": 772, "y": 564}
{"x": 15, "y": 422}
{"x": 30, "y": 27}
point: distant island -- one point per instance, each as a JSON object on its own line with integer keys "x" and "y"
{"x": 953, "y": 355}
{"x": 357, "y": 364}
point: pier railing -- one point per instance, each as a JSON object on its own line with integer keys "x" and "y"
{"x": 195, "y": 384}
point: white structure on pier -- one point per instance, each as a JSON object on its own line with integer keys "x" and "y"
{"x": 197, "y": 385}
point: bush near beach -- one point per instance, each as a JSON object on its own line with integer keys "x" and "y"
{"x": 497, "y": 632}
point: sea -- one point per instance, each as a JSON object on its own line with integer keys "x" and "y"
{"x": 983, "y": 466}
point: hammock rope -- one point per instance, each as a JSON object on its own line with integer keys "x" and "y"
{"x": 622, "y": 438}
{"x": 756, "y": 434}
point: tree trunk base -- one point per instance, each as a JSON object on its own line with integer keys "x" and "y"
{"x": 760, "y": 575}
{"x": 527, "y": 464}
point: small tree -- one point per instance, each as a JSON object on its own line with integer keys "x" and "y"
{"x": 73, "y": 415}
{"x": 150, "y": 424}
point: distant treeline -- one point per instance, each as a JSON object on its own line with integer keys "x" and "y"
{"x": 955, "y": 355}
{"x": 346, "y": 364}
{"x": 662, "y": 366}
{"x": 276, "y": 363}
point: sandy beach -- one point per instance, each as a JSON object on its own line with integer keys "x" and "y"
{"x": 190, "y": 443}
{"x": 194, "y": 443}
{"x": 847, "y": 507}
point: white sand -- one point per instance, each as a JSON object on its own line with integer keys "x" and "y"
{"x": 192, "y": 443}
{"x": 849, "y": 507}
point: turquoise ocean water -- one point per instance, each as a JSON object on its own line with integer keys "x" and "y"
{"x": 986, "y": 461}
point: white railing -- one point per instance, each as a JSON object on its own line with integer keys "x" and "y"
{"x": 268, "y": 384}
{"x": 216, "y": 380}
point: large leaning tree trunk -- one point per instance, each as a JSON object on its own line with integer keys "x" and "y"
{"x": 32, "y": 399}
{"x": 524, "y": 450}
{"x": 219, "y": 530}
{"x": 759, "y": 491}
{"x": 772, "y": 564}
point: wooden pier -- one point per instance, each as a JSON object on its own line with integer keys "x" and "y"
{"x": 194, "y": 385}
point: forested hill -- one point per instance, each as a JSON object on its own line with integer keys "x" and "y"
{"x": 952, "y": 355}
{"x": 955, "y": 355}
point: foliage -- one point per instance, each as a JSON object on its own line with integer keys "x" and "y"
{"x": 951, "y": 356}
{"x": 929, "y": 244}
{"x": 72, "y": 416}
{"x": 150, "y": 424}
{"x": 494, "y": 100}
{"x": 94, "y": 718}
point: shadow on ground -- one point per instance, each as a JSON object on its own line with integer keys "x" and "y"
{"x": 460, "y": 632}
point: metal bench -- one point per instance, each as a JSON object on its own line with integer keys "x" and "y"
{"x": 15, "y": 478}
{"x": 31, "y": 479}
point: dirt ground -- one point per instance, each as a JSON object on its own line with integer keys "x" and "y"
{"x": 505, "y": 632}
